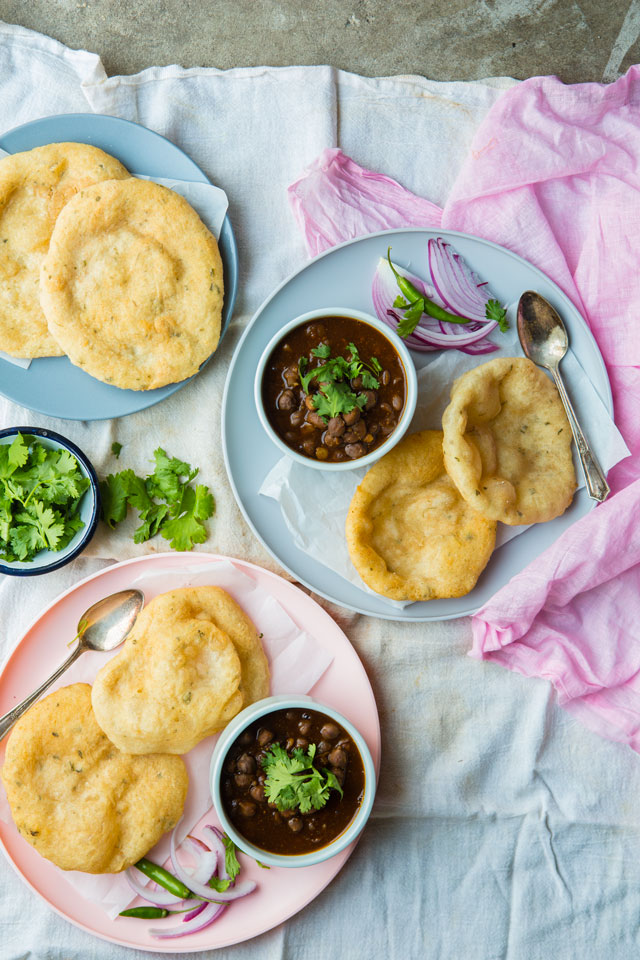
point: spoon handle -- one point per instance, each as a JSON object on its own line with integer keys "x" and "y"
{"x": 14, "y": 714}
{"x": 596, "y": 482}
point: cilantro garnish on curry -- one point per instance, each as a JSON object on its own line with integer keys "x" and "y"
{"x": 334, "y": 389}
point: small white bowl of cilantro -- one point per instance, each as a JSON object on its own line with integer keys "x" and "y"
{"x": 335, "y": 389}
{"x": 49, "y": 501}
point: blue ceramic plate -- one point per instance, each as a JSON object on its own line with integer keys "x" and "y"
{"x": 52, "y": 385}
{"x": 343, "y": 275}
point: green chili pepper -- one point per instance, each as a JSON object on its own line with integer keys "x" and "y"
{"x": 163, "y": 878}
{"x": 146, "y": 913}
{"x": 416, "y": 298}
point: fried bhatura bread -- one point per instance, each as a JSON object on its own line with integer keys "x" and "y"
{"x": 192, "y": 661}
{"x": 507, "y": 442}
{"x": 34, "y": 187}
{"x": 410, "y": 534}
{"x": 132, "y": 285}
{"x": 76, "y": 798}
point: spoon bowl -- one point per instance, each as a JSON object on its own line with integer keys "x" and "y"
{"x": 545, "y": 341}
{"x": 542, "y": 333}
{"x": 104, "y": 626}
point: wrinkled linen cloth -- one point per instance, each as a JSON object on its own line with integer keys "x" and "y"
{"x": 502, "y": 828}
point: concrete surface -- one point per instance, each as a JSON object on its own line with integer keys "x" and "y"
{"x": 578, "y": 40}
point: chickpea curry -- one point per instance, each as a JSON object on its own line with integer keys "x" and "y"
{"x": 334, "y": 389}
{"x": 292, "y": 781}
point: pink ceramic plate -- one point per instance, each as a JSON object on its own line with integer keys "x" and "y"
{"x": 281, "y": 892}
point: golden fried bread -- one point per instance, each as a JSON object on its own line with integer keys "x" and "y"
{"x": 34, "y": 187}
{"x": 410, "y": 534}
{"x": 132, "y": 285}
{"x": 76, "y": 798}
{"x": 507, "y": 442}
{"x": 192, "y": 661}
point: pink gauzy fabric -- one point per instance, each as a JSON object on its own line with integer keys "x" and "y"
{"x": 554, "y": 175}
{"x": 573, "y": 617}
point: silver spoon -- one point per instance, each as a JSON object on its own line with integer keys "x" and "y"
{"x": 102, "y": 627}
{"x": 544, "y": 339}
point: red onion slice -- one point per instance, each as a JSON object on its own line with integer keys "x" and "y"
{"x": 206, "y": 859}
{"x": 198, "y": 922}
{"x": 202, "y": 889}
{"x": 460, "y": 288}
{"x": 159, "y": 898}
{"x": 194, "y": 913}
{"x": 214, "y": 836}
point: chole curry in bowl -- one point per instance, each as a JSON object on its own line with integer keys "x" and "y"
{"x": 335, "y": 389}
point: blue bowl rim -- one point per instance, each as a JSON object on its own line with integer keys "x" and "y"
{"x": 95, "y": 514}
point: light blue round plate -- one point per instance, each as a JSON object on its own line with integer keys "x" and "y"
{"x": 52, "y": 385}
{"x": 343, "y": 275}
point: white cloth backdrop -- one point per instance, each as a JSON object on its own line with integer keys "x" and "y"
{"x": 502, "y": 829}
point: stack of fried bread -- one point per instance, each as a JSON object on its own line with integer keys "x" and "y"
{"x": 118, "y": 273}
{"x": 422, "y": 523}
{"x": 92, "y": 773}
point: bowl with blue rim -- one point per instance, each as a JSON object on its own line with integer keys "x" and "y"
{"x": 49, "y": 501}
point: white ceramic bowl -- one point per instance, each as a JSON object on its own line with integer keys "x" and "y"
{"x": 410, "y": 399}
{"x": 47, "y": 560}
{"x": 225, "y": 741}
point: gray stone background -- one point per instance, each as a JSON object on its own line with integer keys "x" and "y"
{"x": 440, "y": 39}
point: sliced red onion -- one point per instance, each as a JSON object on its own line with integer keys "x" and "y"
{"x": 194, "y": 913}
{"x": 159, "y": 898}
{"x": 206, "y": 860}
{"x": 431, "y": 334}
{"x": 456, "y": 340}
{"x": 203, "y": 919}
{"x": 460, "y": 288}
{"x": 202, "y": 889}
{"x": 195, "y": 840}
{"x": 384, "y": 288}
{"x": 214, "y": 835}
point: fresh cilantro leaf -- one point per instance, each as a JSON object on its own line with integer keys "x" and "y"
{"x": 231, "y": 862}
{"x": 369, "y": 382}
{"x": 354, "y": 352}
{"x": 400, "y": 302}
{"x": 322, "y": 351}
{"x": 166, "y": 502}
{"x": 114, "y": 491}
{"x": 409, "y": 322}
{"x": 292, "y": 782}
{"x": 71, "y": 526}
{"x": 152, "y": 519}
{"x": 335, "y": 398}
{"x": 375, "y": 365}
{"x": 115, "y": 449}
{"x": 187, "y": 527}
{"x": 46, "y": 521}
{"x": 493, "y": 311}
{"x": 64, "y": 462}
{"x": 166, "y": 480}
{"x": 26, "y": 541}
{"x": 18, "y": 452}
